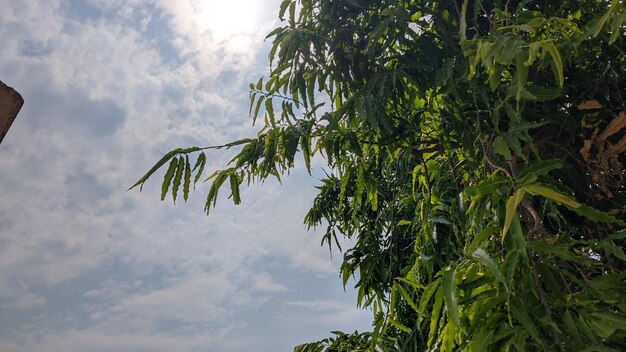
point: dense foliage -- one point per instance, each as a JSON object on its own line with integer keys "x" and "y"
{"x": 475, "y": 152}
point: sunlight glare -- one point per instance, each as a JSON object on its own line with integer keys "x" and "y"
{"x": 228, "y": 18}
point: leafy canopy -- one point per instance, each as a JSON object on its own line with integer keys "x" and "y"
{"x": 475, "y": 152}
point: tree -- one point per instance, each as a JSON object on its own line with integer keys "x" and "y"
{"x": 475, "y": 151}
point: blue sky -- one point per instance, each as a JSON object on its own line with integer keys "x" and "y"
{"x": 109, "y": 86}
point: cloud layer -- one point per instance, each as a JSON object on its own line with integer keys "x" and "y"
{"x": 86, "y": 266}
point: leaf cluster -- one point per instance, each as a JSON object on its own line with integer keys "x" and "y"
{"x": 468, "y": 157}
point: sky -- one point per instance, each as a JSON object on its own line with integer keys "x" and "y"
{"x": 109, "y": 87}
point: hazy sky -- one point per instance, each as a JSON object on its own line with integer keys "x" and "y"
{"x": 109, "y": 86}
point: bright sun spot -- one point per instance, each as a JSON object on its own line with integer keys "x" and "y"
{"x": 228, "y": 18}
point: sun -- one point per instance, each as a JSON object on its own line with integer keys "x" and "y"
{"x": 228, "y": 18}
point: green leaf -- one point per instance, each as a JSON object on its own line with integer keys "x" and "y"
{"x": 234, "y": 188}
{"x": 487, "y": 186}
{"x": 482, "y": 340}
{"x": 602, "y": 21}
{"x": 615, "y": 320}
{"x": 519, "y": 340}
{"x": 533, "y": 53}
{"x": 275, "y": 32}
{"x": 187, "y": 182}
{"x": 178, "y": 177}
{"x": 553, "y": 195}
{"x": 403, "y": 223}
{"x": 167, "y": 179}
{"x": 491, "y": 265}
{"x": 427, "y": 295}
{"x": 162, "y": 162}
{"x": 617, "y": 25}
{"x": 399, "y": 326}
{"x": 570, "y": 327}
{"x": 501, "y": 147}
{"x": 611, "y": 248}
{"x": 411, "y": 283}
{"x": 306, "y": 151}
{"x": 510, "y": 264}
{"x": 559, "y": 251}
{"x": 292, "y": 14}
{"x": 200, "y": 162}
{"x": 511, "y": 210}
{"x": 252, "y": 98}
{"x": 527, "y": 179}
{"x": 521, "y": 78}
{"x": 435, "y": 316}
{"x": 483, "y": 295}
{"x": 520, "y": 313}
{"x": 602, "y": 327}
{"x": 283, "y": 8}
{"x": 407, "y": 298}
{"x": 541, "y": 168}
{"x": 599, "y": 348}
{"x": 522, "y": 126}
{"x": 450, "y": 296}
{"x": 617, "y": 235}
{"x": 463, "y": 21}
{"x": 269, "y": 107}
{"x": 220, "y": 177}
{"x": 482, "y": 237}
{"x": 239, "y": 142}
{"x": 543, "y": 94}
{"x": 516, "y": 240}
{"x": 257, "y": 108}
{"x": 596, "y": 215}
{"x": 536, "y": 22}
{"x": 556, "y": 58}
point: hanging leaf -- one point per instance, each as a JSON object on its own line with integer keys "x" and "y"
{"x": 560, "y": 251}
{"x": 450, "y": 296}
{"x": 482, "y": 237}
{"x": 602, "y": 21}
{"x": 488, "y": 186}
{"x": 187, "y": 181}
{"x": 435, "y": 316}
{"x": 162, "y": 162}
{"x": 558, "y": 63}
{"x": 167, "y": 179}
{"x": 407, "y": 298}
{"x": 491, "y": 265}
{"x": 463, "y": 21}
{"x": 178, "y": 178}
{"x": 234, "y": 188}
{"x": 511, "y": 210}
{"x": 400, "y": 326}
{"x": 553, "y": 195}
{"x": 200, "y": 162}
{"x": 542, "y": 168}
{"x": 520, "y": 313}
{"x": 500, "y": 147}
{"x": 427, "y": 295}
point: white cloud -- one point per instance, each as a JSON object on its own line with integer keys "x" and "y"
{"x": 190, "y": 300}
{"x": 264, "y": 283}
{"x": 92, "y": 340}
{"x": 319, "y": 305}
{"x": 337, "y": 314}
{"x": 29, "y": 300}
